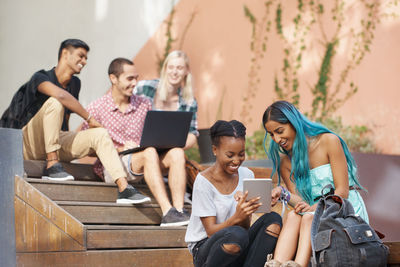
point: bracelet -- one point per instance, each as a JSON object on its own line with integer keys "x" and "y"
{"x": 285, "y": 194}
{"x": 88, "y": 118}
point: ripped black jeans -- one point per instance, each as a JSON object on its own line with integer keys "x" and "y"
{"x": 255, "y": 244}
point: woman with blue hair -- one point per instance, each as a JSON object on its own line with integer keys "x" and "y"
{"x": 307, "y": 156}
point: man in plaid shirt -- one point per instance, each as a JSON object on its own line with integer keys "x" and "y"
{"x": 122, "y": 113}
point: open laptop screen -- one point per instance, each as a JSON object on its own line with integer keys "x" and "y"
{"x": 164, "y": 130}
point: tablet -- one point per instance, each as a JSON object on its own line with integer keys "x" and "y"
{"x": 259, "y": 187}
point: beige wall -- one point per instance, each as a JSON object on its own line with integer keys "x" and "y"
{"x": 217, "y": 43}
{"x": 31, "y": 33}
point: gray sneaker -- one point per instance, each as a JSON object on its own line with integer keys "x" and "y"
{"x": 131, "y": 196}
{"x": 57, "y": 173}
{"x": 186, "y": 213}
{"x": 175, "y": 218}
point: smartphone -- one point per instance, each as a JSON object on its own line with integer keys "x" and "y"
{"x": 259, "y": 187}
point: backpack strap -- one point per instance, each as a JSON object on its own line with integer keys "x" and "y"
{"x": 363, "y": 253}
{"x": 314, "y": 228}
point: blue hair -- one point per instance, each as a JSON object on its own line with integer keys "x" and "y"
{"x": 284, "y": 112}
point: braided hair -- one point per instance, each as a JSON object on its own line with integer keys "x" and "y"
{"x": 222, "y": 128}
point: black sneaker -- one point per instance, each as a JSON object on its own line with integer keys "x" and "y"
{"x": 131, "y": 196}
{"x": 174, "y": 218}
{"x": 185, "y": 213}
{"x": 57, "y": 173}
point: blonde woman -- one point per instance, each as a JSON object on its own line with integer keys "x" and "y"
{"x": 173, "y": 91}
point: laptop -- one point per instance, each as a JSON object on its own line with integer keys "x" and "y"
{"x": 163, "y": 130}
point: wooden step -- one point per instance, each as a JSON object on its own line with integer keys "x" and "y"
{"x": 41, "y": 225}
{"x": 82, "y": 191}
{"x": 84, "y": 172}
{"x": 176, "y": 257}
{"x": 116, "y": 237}
{"x": 113, "y": 213}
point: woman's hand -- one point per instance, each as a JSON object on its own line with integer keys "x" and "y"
{"x": 238, "y": 195}
{"x": 275, "y": 194}
{"x": 302, "y": 207}
{"x": 245, "y": 208}
{"x": 313, "y": 207}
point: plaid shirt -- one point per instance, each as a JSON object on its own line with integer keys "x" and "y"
{"x": 121, "y": 126}
{"x": 148, "y": 89}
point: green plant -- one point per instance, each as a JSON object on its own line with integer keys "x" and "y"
{"x": 193, "y": 153}
{"x": 255, "y": 145}
{"x": 293, "y": 49}
{"x": 169, "y": 38}
{"x": 357, "y": 137}
{"x": 258, "y": 47}
{"x": 329, "y": 92}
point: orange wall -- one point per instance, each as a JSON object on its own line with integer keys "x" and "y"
{"x": 218, "y": 45}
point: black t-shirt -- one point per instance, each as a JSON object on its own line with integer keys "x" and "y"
{"x": 28, "y": 100}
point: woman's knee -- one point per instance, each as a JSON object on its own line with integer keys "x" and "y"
{"x": 272, "y": 217}
{"x": 273, "y": 229}
{"x": 231, "y": 248}
{"x": 238, "y": 235}
{"x": 293, "y": 216}
{"x": 273, "y": 223}
{"x": 307, "y": 219}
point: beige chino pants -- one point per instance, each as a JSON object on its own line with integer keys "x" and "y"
{"x": 42, "y": 135}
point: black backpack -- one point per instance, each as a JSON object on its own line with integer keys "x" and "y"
{"x": 340, "y": 238}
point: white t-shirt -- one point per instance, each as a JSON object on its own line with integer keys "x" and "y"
{"x": 208, "y": 201}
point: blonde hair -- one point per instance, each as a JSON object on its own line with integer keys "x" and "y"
{"x": 187, "y": 91}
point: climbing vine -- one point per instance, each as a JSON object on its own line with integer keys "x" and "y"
{"x": 297, "y": 31}
{"x": 170, "y": 39}
{"x": 258, "y": 47}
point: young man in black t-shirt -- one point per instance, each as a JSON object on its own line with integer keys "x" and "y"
{"x": 41, "y": 108}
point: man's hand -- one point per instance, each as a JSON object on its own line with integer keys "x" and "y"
{"x": 93, "y": 123}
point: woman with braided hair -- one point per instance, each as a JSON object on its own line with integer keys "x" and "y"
{"x": 219, "y": 232}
